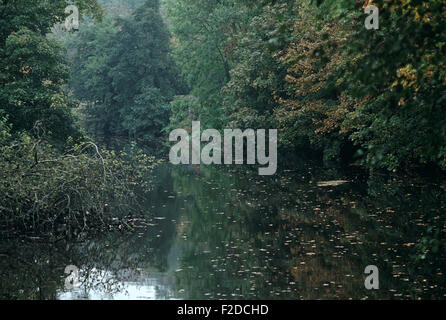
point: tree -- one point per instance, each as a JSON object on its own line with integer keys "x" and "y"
{"x": 33, "y": 71}
{"x": 124, "y": 71}
{"x": 204, "y": 43}
{"x": 400, "y": 79}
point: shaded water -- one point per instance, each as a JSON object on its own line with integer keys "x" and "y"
{"x": 212, "y": 233}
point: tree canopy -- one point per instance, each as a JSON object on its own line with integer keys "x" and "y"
{"x": 123, "y": 71}
{"x": 312, "y": 69}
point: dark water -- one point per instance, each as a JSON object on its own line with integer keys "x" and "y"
{"x": 212, "y": 233}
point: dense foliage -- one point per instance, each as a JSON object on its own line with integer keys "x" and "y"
{"x": 124, "y": 74}
{"x": 33, "y": 71}
{"x": 137, "y": 69}
{"x": 311, "y": 69}
{"x": 55, "y": 180}
{"x": 84, "y": 189}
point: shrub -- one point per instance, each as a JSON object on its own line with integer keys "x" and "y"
{"x": 83, "y": 190}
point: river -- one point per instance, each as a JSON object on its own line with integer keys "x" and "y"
{"x": 228, "y": 233}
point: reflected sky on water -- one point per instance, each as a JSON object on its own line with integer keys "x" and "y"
{"x": 214, "y": 233}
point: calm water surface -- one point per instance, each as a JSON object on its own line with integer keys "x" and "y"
{"x": 213, "y": 233}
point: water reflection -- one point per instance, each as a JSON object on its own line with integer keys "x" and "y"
{"x": 152, "y": 286}
{"x": 210, "y": 233}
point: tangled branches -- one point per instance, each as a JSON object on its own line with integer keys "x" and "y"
{"x": 83, "y": 190}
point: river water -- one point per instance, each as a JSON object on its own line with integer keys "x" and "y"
{"x": 227, "y": 233}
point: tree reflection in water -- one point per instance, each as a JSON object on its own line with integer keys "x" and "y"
{"x": 210, "y": 233}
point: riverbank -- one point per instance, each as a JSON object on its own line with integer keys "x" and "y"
{"x": 45, "y": 192}
{"x": 210, "y": 233}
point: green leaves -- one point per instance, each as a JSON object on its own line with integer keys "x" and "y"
{"x": 33, "y": 69}
{"x": 398, "y": 73}
{"x": 124, "y": 72}
{"x": 41, "y": 189}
